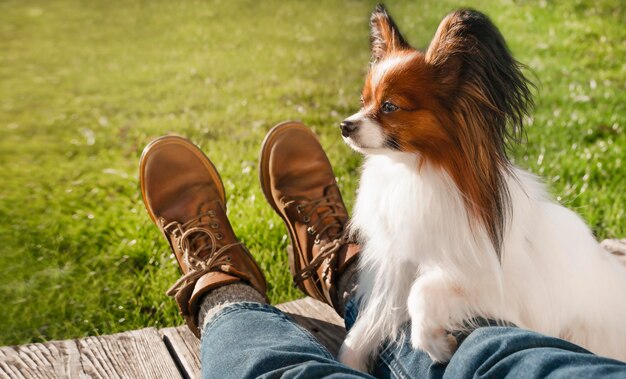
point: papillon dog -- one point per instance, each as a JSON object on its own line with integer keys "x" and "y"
{"x": 451, "y": 230}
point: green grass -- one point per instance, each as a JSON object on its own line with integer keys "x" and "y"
{"x": 84, "y": 86}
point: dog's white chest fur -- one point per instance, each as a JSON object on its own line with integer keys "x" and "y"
{"x": 414, "y": 209}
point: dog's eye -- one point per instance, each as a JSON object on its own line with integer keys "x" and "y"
{"x": 388, "y": 107}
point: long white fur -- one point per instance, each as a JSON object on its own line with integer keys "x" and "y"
{"x": 421, "y": 261}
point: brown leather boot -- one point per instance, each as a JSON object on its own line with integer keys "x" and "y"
{"x": 185, "y": 198}
{"x": 298, "y": 182}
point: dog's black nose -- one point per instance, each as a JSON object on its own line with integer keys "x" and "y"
{"x": 348, "y": 127}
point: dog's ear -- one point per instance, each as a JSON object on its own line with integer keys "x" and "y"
{"x": 385, "y": 36}
{"x": 488, "y": 95}
{"x": 472, "y": 59}
{"x": 444, "y": 50}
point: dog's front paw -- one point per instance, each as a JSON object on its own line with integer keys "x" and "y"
{"x": 352, "y": 357}
{"x": 435, "y": 303}
{"x": 436, "y": 342}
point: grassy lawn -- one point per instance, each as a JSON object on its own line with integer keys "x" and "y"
{"x": 84, "y": 86}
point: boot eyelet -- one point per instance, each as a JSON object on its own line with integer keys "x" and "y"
{"x": 228, "y": 258}
{"x": 310, "y": 230}
{"x": 219, "y": 236}
{"x": 211, "y": 213}
{"x": 306, "y": 219}
{"x": 299, "y": 208}
{"x": 215, "y": 225}
{"x": 317, "y": 241}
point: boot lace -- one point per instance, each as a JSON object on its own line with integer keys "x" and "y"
{"x": 194, "y": 238}
{"x": 327, "y": 228}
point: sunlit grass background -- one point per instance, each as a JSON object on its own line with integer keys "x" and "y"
{"x": 84, "y": 86}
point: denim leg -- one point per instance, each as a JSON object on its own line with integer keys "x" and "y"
{"x": 252, "y": 340}
{"x": 505, "y": 352}
{"x": 493, "y": 352}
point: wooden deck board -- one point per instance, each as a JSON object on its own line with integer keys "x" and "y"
{"x": 145, "y": 353}
{"x": 134, "y": 354}
{"x": 185, "y": 349}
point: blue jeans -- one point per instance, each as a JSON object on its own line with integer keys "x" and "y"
{"x": 251, "y": 340}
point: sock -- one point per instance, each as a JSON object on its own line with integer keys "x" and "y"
{"x": 347, "y": 284}
{"x": 216, "y": 300}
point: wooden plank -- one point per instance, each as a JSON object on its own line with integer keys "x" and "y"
{"x": 41, "y": 360}
{"x": 319, "y": 319}
{"x": 184, "y": 348}
{"x": 134, "y": 354}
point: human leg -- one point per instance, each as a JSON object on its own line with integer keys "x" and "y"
{"x": 250, "y": 340}
{"x": 222, "y": 287}
{"x": 299, "y": 184}
{"x": 185, "y": 198}
{"x": 507, "y": 352}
